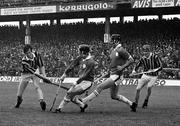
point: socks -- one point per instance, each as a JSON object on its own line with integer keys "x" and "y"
{"x": 64, "y": 102}
{"x": 124, "y": 99}
{"x": 78, "y": 102}
{"x": 40, "y": 94}
{"x": 90, "y": 97}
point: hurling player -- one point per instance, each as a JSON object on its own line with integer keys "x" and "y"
{"x": 119, "y": 60}
{"x": 149, "y": 61}
{"x": 31, "y": 61}
{"x": 86, "y": 65}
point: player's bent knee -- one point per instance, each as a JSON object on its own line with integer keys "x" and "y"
{"x": 73, "y": 93}
{"x": 114, "y": 97}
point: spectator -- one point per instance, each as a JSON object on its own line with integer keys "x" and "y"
{"x": 58, "y": 44}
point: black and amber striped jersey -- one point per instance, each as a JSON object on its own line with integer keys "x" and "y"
{"x": 31, "y": 64}
{"x": 148, "y": 63}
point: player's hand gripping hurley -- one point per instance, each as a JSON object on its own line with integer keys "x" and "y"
{"x": 57, "y": 92}
{"x": 46, "y": 80}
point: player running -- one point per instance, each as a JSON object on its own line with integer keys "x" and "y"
{"x": 32, "y": 61}
{"x": 119, "y": 60}
{"x": 149, "y": 61}
{"x": 86, "y": 65}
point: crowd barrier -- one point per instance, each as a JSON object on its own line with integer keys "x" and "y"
{"x": 125, "y": 81}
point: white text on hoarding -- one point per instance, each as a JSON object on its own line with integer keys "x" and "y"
{"x": 85, "y": 7}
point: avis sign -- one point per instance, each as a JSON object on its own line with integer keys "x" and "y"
{"x": 141, "y": 4}
{"x": 177, "y": 2}
{"x": 154, "y": 3}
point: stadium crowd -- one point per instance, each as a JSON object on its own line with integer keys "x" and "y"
{"x": 58, "y": 44}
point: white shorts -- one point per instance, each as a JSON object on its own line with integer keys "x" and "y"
{"x": 146, "y": 80}
{"x": 116, "y": 78}
{"x": 29, "y": 78}
{"x": 85, "y": 85}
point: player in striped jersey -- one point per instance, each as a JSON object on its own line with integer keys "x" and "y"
{"x": 119, "y": 60}
{"x": 31, "y": 62}
{"x": 86, "y": 73}
{"x": 149, "y": 61}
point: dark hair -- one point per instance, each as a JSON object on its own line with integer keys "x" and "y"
{"x": 27, "y": 47}
{"x": 84, "y": 48}
{"x": 115, "y": 37}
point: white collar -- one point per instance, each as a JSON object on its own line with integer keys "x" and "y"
{"x": 27, "y": 58}
{"x": 149, "y": 55}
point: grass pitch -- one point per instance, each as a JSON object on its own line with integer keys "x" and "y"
{"x": 164, "y": 108}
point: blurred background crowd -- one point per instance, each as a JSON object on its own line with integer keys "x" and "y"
{"x": 58, "y": 44}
